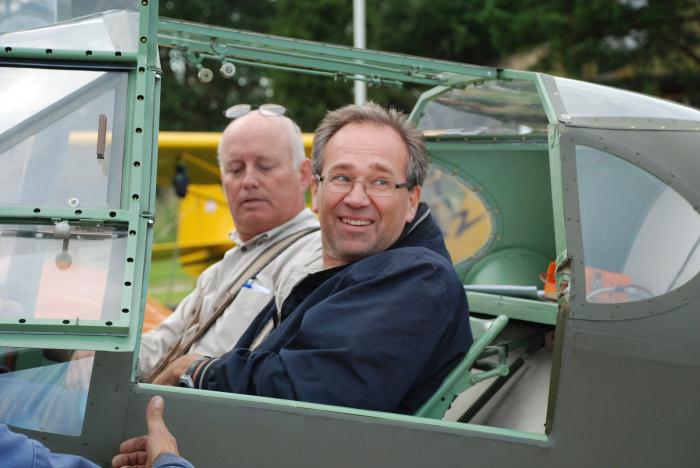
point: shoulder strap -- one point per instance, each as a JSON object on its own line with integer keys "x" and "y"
{"x": 261, "y": 262}
{"x": 227, "y": 298}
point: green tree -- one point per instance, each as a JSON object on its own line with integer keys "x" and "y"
{"x": 188, "y": 104}
{"x": 650, "y": 46}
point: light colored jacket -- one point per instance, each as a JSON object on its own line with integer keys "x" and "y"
{"x": 304, "y": 255}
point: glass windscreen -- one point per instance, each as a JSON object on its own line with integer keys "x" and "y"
{"x": 459, "y": 210}
{"x": 70, "y": 24}
{"x": 61, "y": 137}
{"x": 64, "y": 271}
{"x": 44, "y": 389}
{"x": 499, "y": 107}
{"x": 583, "y": 99}
{"x": 640, "y": 237}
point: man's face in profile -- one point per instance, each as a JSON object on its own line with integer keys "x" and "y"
{"x": 356, "y": 225}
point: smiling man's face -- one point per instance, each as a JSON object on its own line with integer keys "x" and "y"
{"x": 355, "y": 225}
{"x": 263, "y": 188}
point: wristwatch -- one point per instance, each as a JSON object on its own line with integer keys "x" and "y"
{"x": 186, "y": 378}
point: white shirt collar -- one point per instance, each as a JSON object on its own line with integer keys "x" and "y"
{"x": 303, "y": 216}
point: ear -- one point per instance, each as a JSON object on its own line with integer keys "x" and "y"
{"x": 315, "y": 194}
{"x": 305, "y": 173}
{"x": 413, "y": 200}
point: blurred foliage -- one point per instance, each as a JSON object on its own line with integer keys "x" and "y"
{"x": 187, "y": 104}
{"x": 652, "y": 46}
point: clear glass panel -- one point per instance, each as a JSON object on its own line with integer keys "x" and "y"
{"x": 491, "y": 108}
{"x": 70, "y": 24}
{"x": 61, "y": 272}
{"x": 44, "y": 390}
{"x": 640, "y": 237}
{"x": 583, "y": 99}
{"x": 49, "y": 137}
{"x": 461, "y": 213}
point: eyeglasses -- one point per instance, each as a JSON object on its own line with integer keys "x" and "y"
{"x": 268, "y": 110}
{"x": 379, "y": 187}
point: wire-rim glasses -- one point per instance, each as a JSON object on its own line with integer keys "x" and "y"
{"x": 377, "y": 187}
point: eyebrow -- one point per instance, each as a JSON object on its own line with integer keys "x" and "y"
{"x": 374, "y": 166}
{"x": 258, "y": 159}
{"x": 341, "y": 166}
{"x": 266, "y": 159}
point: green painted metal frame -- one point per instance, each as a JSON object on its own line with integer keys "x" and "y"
{"x": 635, "y": 123}
{"x": 424, "y": 99}
{"x": 137, "y": 200}
{"x": 288, "y": 406}
{"x": 501, "y": 74}
{"x": 513, "y": 307}
{"x": 71, "y": 57}
{"x": 335, "y": 61}
{"x": 461, "y": 377}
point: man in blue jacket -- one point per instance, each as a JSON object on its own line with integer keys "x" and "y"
{"x": 386, "y": 319}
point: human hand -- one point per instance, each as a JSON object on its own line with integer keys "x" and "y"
{"x": 141, "y": 452}
{"x": 171, "y": 374}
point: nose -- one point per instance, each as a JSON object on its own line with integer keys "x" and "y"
{"x": 357, "y": 196}
{"x": 250, "y": 178}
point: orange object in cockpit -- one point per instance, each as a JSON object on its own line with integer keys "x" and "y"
{"x": 606, "y": 285}
{"x": 550, "y": 281}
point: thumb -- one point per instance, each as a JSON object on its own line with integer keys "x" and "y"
{"x": 160, "y": 440}
{"x": 154, "y": 417}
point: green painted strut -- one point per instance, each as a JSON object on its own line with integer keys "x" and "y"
{"x": 304, "y": 56}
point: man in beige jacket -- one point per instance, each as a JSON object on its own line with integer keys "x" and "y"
{"x": 264, "y": 174}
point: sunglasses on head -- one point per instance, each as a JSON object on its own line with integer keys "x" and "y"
{"x": 268, "y": 110}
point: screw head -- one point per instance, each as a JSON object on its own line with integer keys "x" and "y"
{"x": 228, "y": 70}
{"x": 205, "y": 75}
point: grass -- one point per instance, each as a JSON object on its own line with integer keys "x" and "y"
{"x": 168, "y": 282}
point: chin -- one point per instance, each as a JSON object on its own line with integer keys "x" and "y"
{"x": 353, "y": 255}
{"x": 255, "y": 216}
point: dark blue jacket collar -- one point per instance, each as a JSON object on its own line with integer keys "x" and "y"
{"x": 423, "y": 232}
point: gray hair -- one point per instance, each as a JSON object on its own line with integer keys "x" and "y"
{"x": 376, "y": 114}
{"x": 298, "y": 152}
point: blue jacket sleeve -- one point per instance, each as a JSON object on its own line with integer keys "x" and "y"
{"x": 384, "y": 329}
{"x": 170, "y": 460}
{"x": 19, "y": 451}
